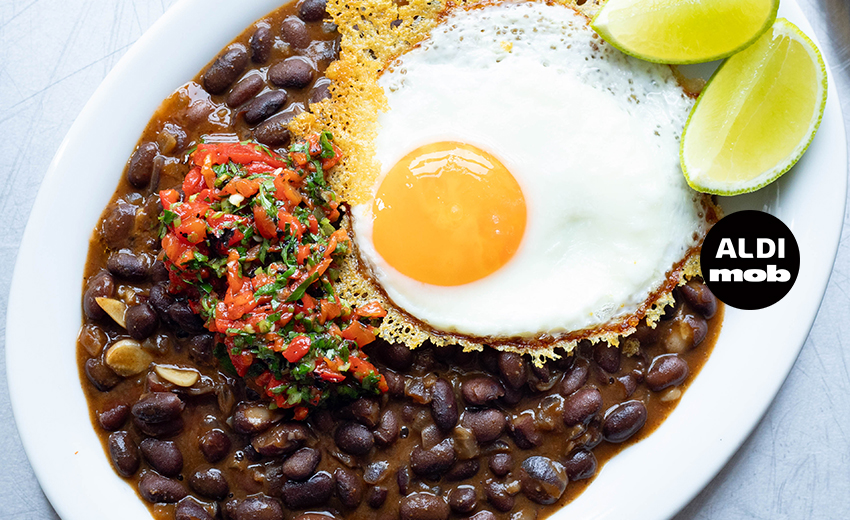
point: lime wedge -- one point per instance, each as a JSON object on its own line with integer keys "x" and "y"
{"x": 679, "y": 31}
{"x": 757, "y": 114}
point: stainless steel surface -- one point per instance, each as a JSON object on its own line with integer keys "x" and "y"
{"x": 54, "y": 54}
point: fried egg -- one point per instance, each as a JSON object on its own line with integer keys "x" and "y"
{"x": 529, "y": 180}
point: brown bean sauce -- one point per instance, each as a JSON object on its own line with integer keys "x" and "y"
{"x": 480, "y": 434}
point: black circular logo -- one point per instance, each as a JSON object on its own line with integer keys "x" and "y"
{"x": 750, "y": 260}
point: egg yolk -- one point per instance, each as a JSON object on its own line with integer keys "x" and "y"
{"x": 448, "y": 213}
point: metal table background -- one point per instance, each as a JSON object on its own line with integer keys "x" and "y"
{"x": 54, "y": 53}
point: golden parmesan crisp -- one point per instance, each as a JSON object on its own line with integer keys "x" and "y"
{"x": 374, "y": 33}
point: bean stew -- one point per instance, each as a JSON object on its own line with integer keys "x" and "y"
{"x": 441, "y": 434}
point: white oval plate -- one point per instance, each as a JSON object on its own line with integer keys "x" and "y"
{"x": 652, "y": 480}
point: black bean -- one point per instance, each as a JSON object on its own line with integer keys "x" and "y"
{"x": 646, "y": 334}
{"x": 124, "y": 453}
{"x": 524, "y": 432}
{"x": 686, "y": 332}
{"x": 666, "y": 370}
{"x": 155, "y": 489}
{"x": 404, "y": 480}
{"x": 501, "y": 464}
{"x": 280, "y": 439}
{"x": 215, "y": 445}
{"x": 201, "y": 349}
{"x": 498, "y": 496}
{"x": 101, "y": 285}
{"x": 187, "y": 320}
{"x": 159, "y": 273}
{"x": 700, "y": 298}
{"x": 463, "y": 470}
{"x": 349, "y": 487}
{"x": 483, "y": 515}
{"x": 128, "y": 266}
{"x": 580, "y": 464}
{"x": 250, "y": 418}
{"x": 164, "y": 429}
{"x": 274, "y": 131}
{"x": 312, "y": 10}
{"x": 264, "y": 105}
{"x": 479, "y": 391}
{"x": 354, "y": 438}
{"x": 188, "y": 509}
{"x": 225, "y": 70}
{"x": 320, "y": 91}
{"x": 582, "y": 405}
{"x": 247, "y": 88}
{"x": 198, "y": 111}
{"x": 388, "y": 430}
{"x": 160, "y": 300}
{"x": 294, "y": 72}
{"x": 158, "y": 407}
{"x": 629, "y": 382}
{"x": 575, "y": 377}
{"x": 366, "y": 411}
{"x": 114, "y": 418}
{"x": 512, "y": 396}
{"x": 141, "y": 321}
{"x": 446, "y": 354}
{"x": 542, "y": 373}
{"x": 376, "y": 496}
{"x": 543, "y": 480}
{"x": 623, "y": 421}
{"x": 513, "y": 369}
{"x": 395, "y": 382}
{"x": 294, "y": 32}
{"x": 100, "y": 375}
{"x": 312, "y": 493}
{"x": 164, "y": 456}
{"x": 444, "y": 408}
{"x": 423, "y": 506}
{"x": 209, "y": 483}
{"x": 258, "y": 507}
{"x": 249, "y": 453}
{"x": 118, "y": 224}
{"x": 434, "y": 462}
{"x": 301, "y": 464}
{"x": 395, "y": 355}
{"x": 463, "y": 499}
{"x": 607, "y": 357}
{"x": 140, "y": 168}
{"x": 486, "y": 425}
{"x": 261, "y": 44}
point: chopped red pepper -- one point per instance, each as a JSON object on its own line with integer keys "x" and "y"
{"x": 240, "y": 252}
{"x": 297, "y": 348}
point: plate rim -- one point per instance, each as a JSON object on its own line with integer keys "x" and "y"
{"x": 167, "y": 23}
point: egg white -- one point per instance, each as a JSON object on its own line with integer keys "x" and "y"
{"x": 592, "y": 138}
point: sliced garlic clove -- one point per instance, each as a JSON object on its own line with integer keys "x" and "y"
{"x": 126, "y": 357}
{"x": 671, "y": 395}
{"x": 179, "y": 376}
{"x": 115, "y": 309}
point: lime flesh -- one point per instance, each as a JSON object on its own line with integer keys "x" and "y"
{"x": 757, "y": 115}
{"x": 683, "y": 31}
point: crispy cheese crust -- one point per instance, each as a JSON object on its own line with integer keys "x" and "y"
{"x": 374, "y": 33}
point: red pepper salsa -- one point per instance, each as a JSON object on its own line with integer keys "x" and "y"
{"x": 253, "y": 243}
